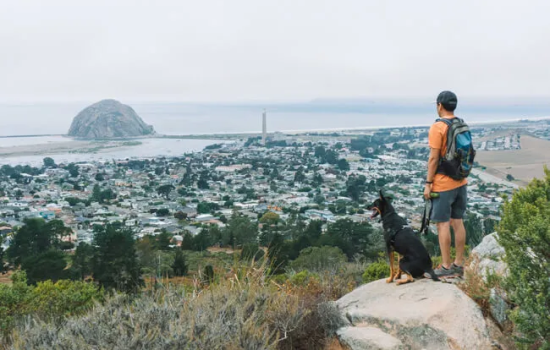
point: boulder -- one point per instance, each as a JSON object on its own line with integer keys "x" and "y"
{"x": 499, "y": 306}
{"x": 108, "y": 119}
{"x": 424, "y": 315}
{"x": 488, "y": 257}
{"x": 368, "y": 338}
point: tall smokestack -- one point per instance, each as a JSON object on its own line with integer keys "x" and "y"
{"x": 264, "y": 128}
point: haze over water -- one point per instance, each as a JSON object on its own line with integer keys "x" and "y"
{"x": 184, "y": 118}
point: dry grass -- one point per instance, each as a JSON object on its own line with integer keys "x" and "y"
{"x": 524, "y": 164}
{"x": 243, "y": 310}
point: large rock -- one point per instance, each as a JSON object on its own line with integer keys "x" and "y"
{"x": 368, "y": 338}
{"x": 487, "y": 257}
{"x": 421, "y": 315}
{"x": 108, "y": 119}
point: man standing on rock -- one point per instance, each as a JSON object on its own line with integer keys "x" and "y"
{"x": 449, "y": 206}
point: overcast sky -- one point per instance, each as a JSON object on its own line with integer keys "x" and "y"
{"x": 281, "y": 50}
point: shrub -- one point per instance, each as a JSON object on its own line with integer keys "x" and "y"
{"x": 376, "y": 271}
{"x": 302, "y": 277}
{"x": 48, "y": 301}
{"x": 319, "y": 259}
{"x": 245, "y": 310}
{"x": 524, "y": 233}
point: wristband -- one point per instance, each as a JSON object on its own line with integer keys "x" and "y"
{"x": 429, "y": 182}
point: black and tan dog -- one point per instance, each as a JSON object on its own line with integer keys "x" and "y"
{"x": 414, "y": 259}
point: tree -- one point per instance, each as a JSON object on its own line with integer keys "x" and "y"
{"x": 356, "y": 186}
{"x": 270, "y": 218}
{"x": 343, "y": 164}
{"x": 163, "y": 240}
{"x": 49, "y": 265}
{"x": 73, "y": 170}
{"x": 207, "y": 207}
{"x": 165, "y": 191}
{"x": 313, "y": 230}
{"x": 299, "y": 175}
{"x": 99, "y": 177}
{"x": 202, "y": 240}
{"x": 49, "y": 162}
{"x": 242, "y": 230}
{"x": 351, "y": 237}
{"x": 115, "y": 264}
{"x": 180, "y": 215}
{"x": 489, "y": 226}
{"x": 331, "y": 157}
{"x": 2, "y": 253}
{"x": 474, "y": 230}
{"x": 318, "y": 259}
{"x": 82, "y": 261}
{"x": 96, "y": 194}
{"x": 524, "y": 235}
{"x": 35, "y": 237}
{"x": 163, "y": 212}
{"x": 202, "y": 184}
{"x": 509, "y": 177}
{"x": 179, "y": 266}
{"x": 320, "y": 153}
{"x": 188, "y": 241}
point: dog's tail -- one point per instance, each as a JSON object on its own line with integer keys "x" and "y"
{"x": 432, "y": 275}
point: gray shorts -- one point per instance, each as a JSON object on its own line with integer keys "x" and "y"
{"x": 449, "y": 205}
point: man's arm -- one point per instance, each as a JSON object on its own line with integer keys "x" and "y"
{"x": 433, "y": 162}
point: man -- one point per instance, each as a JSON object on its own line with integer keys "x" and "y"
{"x": 449, "y": 207}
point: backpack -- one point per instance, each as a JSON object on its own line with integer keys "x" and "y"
{"x": 458, "y": 160}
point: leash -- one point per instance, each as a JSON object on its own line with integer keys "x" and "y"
{"x": 428, "y": 209}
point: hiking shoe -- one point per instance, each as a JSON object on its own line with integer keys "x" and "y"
{"x": 458, "y": 270}
{"x": 443, "y": 272}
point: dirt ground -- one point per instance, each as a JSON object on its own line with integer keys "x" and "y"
{"x": 524, "y": 164}
{"x": 5, "y": 279}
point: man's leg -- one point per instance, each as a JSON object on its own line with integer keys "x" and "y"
{"x": 458, "y": 209}
{"x": 444, "y": 234}
{"x": 441, "y": 215}
{"x": 460, "y": 240}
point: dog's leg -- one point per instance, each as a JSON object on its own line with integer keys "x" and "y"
{"x": 398, "y": 271}
{"x": 408, "y": 278}
{"x": 392, "y": 272}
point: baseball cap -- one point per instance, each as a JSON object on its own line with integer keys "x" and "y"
{"x": 448, "y": 100}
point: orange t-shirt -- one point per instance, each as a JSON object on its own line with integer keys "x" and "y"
{"x": 437, "y": 139}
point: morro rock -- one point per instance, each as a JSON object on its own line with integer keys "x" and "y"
{"x": 108, "y": 119}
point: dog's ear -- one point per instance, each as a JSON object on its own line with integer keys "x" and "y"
{"x": 382, "y": 196}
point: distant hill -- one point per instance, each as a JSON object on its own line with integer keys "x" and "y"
{"x": 108, "y": 119}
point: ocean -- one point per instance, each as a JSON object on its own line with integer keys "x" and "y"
{"x": 187, "y": 118}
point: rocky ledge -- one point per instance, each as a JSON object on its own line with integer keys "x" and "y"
{"x": 421, "y": 315}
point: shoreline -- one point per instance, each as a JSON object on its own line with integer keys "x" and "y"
{"x": 288, "y": 131}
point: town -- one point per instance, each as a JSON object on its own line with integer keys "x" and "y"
{"x": 314, "y": 176}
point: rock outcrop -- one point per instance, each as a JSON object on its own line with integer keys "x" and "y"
{"x": 108, "y": 119}
{"x": 487, "y": 257}
{"x": 421, "y": 315}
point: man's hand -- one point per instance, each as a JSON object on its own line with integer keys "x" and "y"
{"x": 427, "y": 191}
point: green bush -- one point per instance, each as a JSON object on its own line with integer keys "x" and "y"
{"x": 524, "y": 232}
{"x": 48, "y": 301}
{"x": 302, "y": 278}
{"x": 319, "y": 259}
{"x": 244, "y": 313}
{"x": 376, "y": 271}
